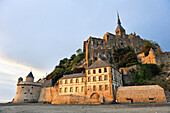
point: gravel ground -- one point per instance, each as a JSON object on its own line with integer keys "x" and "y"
{"x": 112, "y": 108}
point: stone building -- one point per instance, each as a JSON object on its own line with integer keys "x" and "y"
{"x": 27, "y": 91}
{"x": 104, "y": 48}
{"x": 149, "y": 59}
{"x": 99, "y": 82}
{"x": 144, "y": 94}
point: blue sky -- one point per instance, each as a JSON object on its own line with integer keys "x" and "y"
{"x": 36, "y": 34}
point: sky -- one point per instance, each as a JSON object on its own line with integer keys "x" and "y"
{"x": 36, "y": 34}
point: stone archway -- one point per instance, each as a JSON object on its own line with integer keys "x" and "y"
{"x": 95, "y": 96}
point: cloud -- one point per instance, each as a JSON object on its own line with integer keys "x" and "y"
{"x": 12, "y": 68}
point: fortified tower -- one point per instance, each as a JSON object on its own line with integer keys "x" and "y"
{"x": 27, "y": 91}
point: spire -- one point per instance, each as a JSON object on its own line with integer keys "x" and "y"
{"x": 118, "y": 19}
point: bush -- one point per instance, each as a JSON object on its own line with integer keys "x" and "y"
{"x": 131, "y": 64}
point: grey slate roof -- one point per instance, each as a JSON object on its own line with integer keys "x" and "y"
{"x": 30, "y": 75}
{"x": 73, "y": 76}
{"x": 99, "y": 63}
{"x": 119, "y": 27}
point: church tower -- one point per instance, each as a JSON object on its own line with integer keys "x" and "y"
{"x": 119, "y": 30}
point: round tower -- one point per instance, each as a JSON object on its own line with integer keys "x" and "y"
{"x": 27, "y": 91}
{"x": 30, "y": 77}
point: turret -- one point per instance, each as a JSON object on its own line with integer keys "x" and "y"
{"x": 20, "y": 79}
{"x": 30, "y": 77}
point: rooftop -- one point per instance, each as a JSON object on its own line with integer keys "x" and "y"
{"x": 30, "y": 75}
{"x": 99, "y": 63}
{"x": 73, "y": 76}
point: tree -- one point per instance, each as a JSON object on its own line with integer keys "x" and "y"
{"x": 79, "y": 51}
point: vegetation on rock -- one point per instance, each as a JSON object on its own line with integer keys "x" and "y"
{"x": 124, "y": 56}
{"x": 66, "y": 66}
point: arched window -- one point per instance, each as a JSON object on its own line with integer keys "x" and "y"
{"x": 77, "y": 80}
{"x": 106, "y": 88}
{"x": 71, "y": 89}
{"x": 94, "y": 88}
{"x": 105, "y": 77}
{"x": 100, "y": 78}
{"x": 94, "y": 71}
{"x": 94, "y": 79}
{"x": 65, "y": 81}
{"x": 105, "y": 69}
{"x": 88, "y": 79}
{"x": 71, "y": 80}
{"x": 100, "y": 70}
{"x": 100, "y": 87}
{"x": 76, "y": 90}
{"x": 65, "y": 90}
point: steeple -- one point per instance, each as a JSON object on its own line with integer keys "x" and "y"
{"x": 119, "y": 30}
{"x": 118, "y": 19}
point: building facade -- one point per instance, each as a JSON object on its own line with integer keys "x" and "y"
{"x": 100, "y": 82}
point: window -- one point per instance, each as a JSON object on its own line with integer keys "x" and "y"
{"x": 151, "y": 98}
{"x": 88, "y": 79}
{"x": 71, "y": 81}
{"x": 65, "y": 90}
{"x": 94, "y": 79}
{"x": 94, "y": 88}
{"x": 31, "y": 93}
{"x": 100, "y": 78}
{"x": 25, "y": 93}
{"x": 77, "y": 80}
{"x": 82, "y": 89}
{"x": 65, "y": 81}
{"x": 100, "y": 70}
{"x": 22, "y": 87}
{"x": 31, "y": 87}
{"x": 94, "y": 71}
{"x": 71, "y": 89}
{"x": 88, "y": 71}
{"x": 76, "y": 90}
{"x": 61, "y": 82}
{"x": 105, "y": 77}
{"x": 105, "y": 69}
{"x": 106, "y": 88}
{"x": 60, "y": 90}
{"x": 100, "y": 87}
{"x": 82, "y": 80}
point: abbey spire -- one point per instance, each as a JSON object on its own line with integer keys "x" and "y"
{"x": 119, "y": 30}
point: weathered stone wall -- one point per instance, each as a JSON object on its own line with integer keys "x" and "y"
{"x": 27, "y": 92}
{"x": 150, "y": 59}
{"x": 145, "y": 94}
{"x": 47, "y": 94}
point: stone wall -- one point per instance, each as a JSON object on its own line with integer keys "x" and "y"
{"x": 27, "y": 92}
{"x": 47, "y": 94}
{"x": 145, "y": 94}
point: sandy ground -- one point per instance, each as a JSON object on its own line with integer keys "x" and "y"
{"x": 113, "y": 108}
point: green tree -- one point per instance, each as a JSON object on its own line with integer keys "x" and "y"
{"x": 79, "y": 51}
